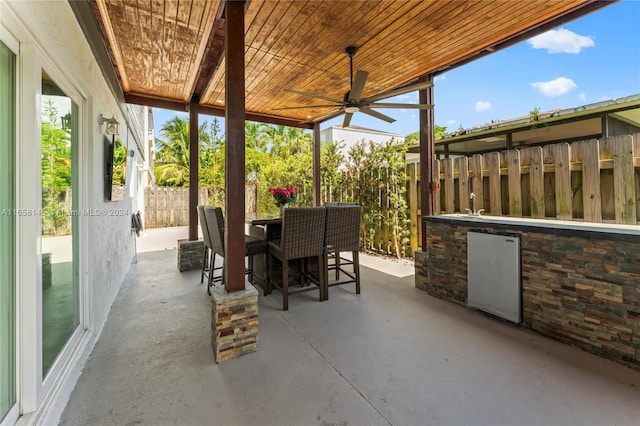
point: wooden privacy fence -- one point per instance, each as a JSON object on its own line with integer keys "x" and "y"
{"x": 166, "y": 206}
{"x": 592, "y": 180}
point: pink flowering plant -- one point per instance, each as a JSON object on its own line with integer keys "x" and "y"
{"x": 283, "y": 196}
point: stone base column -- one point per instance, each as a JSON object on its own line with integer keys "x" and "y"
{"x": 190, "y": 254}
{"x": 234, "y": 322}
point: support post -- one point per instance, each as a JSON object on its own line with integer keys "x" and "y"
{"x": 193, "y": 170}
{"x": 235, "y": 150}
{"x": 317, "y": 195}
{"x": 429, "y": 182}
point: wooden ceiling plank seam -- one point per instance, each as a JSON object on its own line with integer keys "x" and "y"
{"x": 157, "y": 13}
{"x": 289, "y": 83}
{"x": 250, "y": 32}
{"x": 112, "y": 40}
{"x": 486, "y": 10}
{"x": 212, "y": 55}
{"x": 343, "y": 83}
{"x": 205, "y": 27}
{"x": 207, "y": 91}
{"x": 430, "y": 34}
{"x": 288, "y": 33}
{"x": 380, "y": 58}
{"x": 269, "y": 33}
{"x": 170, "y": 48}
{"x": 281, "y": 58}
{"x": 342, "y": 86}
{"x": 394, "y": 33}
{"x": 307, "y": 30}
{"x": 136, "y": 46}
{"x": 357, "y": 16}
{"x": 421, "y": 71}
{"x": 213, "y": 92}
{"x": 259, "y": 72}
{"x": 141, "y": 44}
{"x": 218, "y": 93}
{"x": 340, "y": 69}
{"x": 416, "y": 52}
{"x": 472, "y": 51}
{"x": 330, "y": 58}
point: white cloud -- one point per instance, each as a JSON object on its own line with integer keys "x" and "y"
{"x": 582, "y": 97}
{"x": 451, "y": 122}
{"x": 561, "y": 41}
{"x": 482, "y": 106}
{"x": 440, "y": 77}
{"x": 558, "y": 87}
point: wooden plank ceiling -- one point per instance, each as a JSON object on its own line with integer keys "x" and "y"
{"x": 173, "y": 50}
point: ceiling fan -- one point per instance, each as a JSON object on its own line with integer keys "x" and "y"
{"x": 353, "y": 102}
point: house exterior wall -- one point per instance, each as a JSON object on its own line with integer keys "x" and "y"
{"x": 349, "y": 136}
{"x": 48, "y": 34}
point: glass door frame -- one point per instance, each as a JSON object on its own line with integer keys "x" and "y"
{"x": 34, "y": 392}
{"x": 12, "y": 415}
{"x": 65, "y": 356}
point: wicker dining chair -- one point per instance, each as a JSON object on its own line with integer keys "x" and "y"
{"x": 208, "y": 260}
{"x": 342, "y": 234}
{"x": 253, "y": 246}
{"x": 302, "y": 238}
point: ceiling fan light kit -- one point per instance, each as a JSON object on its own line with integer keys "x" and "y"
{"x": 354, "y": 102}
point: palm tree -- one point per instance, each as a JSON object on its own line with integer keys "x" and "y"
{"x": 172, "y": 154}
{"x": 255, "y": 135}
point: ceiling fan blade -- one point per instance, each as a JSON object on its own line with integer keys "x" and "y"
{"x": 400, "y": 91}
{"x": 358, "y": 85}
{"x": 323, "y": 115}
{"x": 413, "y": 106}
{"x": 307, "y": 107}
{"x": 347, "y": 119}
{"x": 377, "y": 114}
{"x": 313, "y": 95}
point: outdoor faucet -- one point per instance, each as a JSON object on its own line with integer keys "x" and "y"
{"x": 472, "y": 211}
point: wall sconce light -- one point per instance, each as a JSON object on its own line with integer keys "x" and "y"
{"x": 112, "y": 124}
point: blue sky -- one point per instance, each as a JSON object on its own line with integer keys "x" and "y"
{"x": 592, "y": 59}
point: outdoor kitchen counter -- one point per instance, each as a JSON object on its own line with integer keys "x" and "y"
{"x": 580, "y": 281}
{"x": 561, "y": 227}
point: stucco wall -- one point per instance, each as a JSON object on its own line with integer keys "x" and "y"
{"x": 350, "y": 136}
{"x": 49, "y": 34}
{"x": 108, "y": 244}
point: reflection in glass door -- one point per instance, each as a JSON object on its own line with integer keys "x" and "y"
{"x": 60, "y": 302}
{"x": 7, "y": 231}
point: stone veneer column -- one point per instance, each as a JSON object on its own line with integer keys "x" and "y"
{"x": 234, "y": 322}
{"x": 190, "y": 255}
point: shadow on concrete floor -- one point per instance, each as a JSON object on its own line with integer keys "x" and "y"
{"x": 392, "y": 355}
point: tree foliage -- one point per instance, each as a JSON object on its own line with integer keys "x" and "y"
{"x": 56, "y": 171}
{"x": 371, "y": 174}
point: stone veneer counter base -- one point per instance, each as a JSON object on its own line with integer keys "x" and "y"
{"x": 580, "y": 283}
{"x": 234, "y": 322}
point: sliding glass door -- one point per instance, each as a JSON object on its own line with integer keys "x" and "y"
{"x": 7, "y": 231}
{"x": 60, "y": 301}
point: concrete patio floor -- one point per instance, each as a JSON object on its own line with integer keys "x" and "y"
{"x": 392, "y": 355}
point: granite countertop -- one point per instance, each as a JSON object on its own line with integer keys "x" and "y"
{"x": 549, "y": 224}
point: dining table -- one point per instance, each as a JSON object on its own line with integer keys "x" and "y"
{"x": 267, "y": 226}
